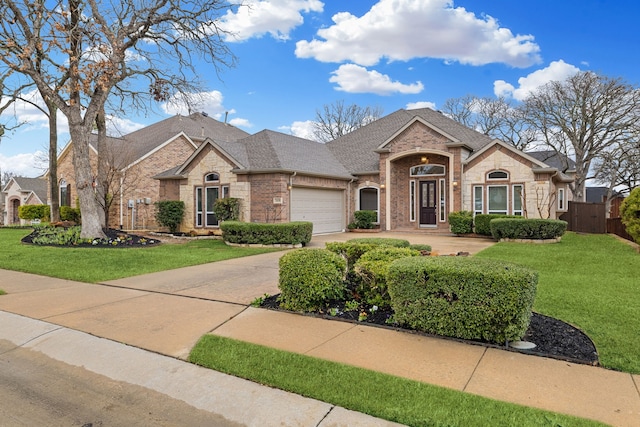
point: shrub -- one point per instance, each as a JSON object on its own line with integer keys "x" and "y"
{"x": 537, "y": 229}
{"x": 32, "y": 212}
{"x": 465, "y": 298}
{"x": 482, "y": 222}
{"x": 310, "y": 279}
{"x": 353, "y": 249}
{"x": 68, "y": 213}
{"x": 227, "y": 209}
{"x": 372, "y": 269}
{"x": 169, "y": 213}
{"x": 63, "y": 236}
{"x": 364, "y": 219}
{"x": 461, "y": 222}
{"x": 421, "y": 247}
{"x": 630, "y": 214}
{"x": 289, "y": 233}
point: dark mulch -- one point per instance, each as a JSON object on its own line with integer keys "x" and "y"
{"x": 552, "y": 337}
{"x": 115, "y": 239}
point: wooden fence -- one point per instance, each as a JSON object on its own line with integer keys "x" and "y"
{"x": 586, "y": 217}
{"x": 615, "y": 226}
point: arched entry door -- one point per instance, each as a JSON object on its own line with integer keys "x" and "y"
{"x": 15, "y": 204}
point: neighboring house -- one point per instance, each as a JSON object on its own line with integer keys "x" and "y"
{"x": 413, "y": 167}
{"x": 599, "y": 195}
{"x": 22, "y": 191}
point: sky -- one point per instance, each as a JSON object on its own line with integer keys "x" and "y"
{"x": 295, "y": 56}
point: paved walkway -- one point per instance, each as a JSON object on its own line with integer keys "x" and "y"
{"x": 164, "y": 314}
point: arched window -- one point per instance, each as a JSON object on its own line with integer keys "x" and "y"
{"x": 498, "y": 175}
{"x": 427, "y": 170}
{"x": 212, "y": 177}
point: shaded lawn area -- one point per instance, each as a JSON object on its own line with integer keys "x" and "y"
{"x": 384, "y": 396}
{"x": 591, "y": 281}
{"x": 103, "y": 263}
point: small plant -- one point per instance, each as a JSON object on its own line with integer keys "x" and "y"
{"x": 362, "y": 316}
{"x": 352, "y": 305}
{"x": 227, "y": 209}
{"x": 364, "y": 219}
{"x": 169, "y": 213}
{"x": 461, "y": 222}
{"x": 259, "y": 301}
{"x": 333, "y": 311}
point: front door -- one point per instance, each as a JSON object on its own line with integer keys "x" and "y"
{"x": 428, "y": 202}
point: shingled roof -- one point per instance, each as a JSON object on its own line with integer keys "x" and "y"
{"x": 35, "y": 185}
{"x": 270, "y": 150}
{"x": 357, "y": 149}
{"x": 554, "y": 159}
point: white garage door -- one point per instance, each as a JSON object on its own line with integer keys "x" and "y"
{"x": 324, "y": 208}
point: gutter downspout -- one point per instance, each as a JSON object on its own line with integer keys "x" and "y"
{"x": 349, "y": 202}
{"x": 290, "y": 188}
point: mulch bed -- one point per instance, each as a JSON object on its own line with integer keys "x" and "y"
{"x": 115, "y": 239}
{"x": 553, "y": 338}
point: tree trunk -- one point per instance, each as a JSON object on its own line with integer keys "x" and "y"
{"x": 103, "y": 165}
{"x": 54, "y": 187}
{"x": 89, "y": 207}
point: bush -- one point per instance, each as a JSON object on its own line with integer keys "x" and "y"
{"x": 630, "y": 214}
{"x": 33, "y": 212}
{"x": 461, "y": 222}
{"x": 372, "y": 269}
{"x": 227, "y": 209}
{"x": 364, "y": 219}
{"x": 465, "y": 298}
{"x": 537, "y": 229}
{"x": 62, "y": 236}
{"x": 169, "y": 213}
{"x": 353, "y": 249}
{"x": 482, "y": 222}
{"x": 421, "y": 247}
{"x": 68, "y": 213}
{"x": 289, "y": 233}
{"x": 310, "y": 279}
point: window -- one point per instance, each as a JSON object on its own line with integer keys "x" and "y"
{"x": 65, "y": 193}
{"x": 369, "y": 200}
{"x": 442, "y": 201}
{"x": 211, "y": 195}
{"x": 212, "y": 177}
{"x": 412, "y": 200}
{"x": 225, "y": 191}
{"x": 478, "y": 202}
{"x": 561, "y": 200}
{"x": 497, "y": 199}
{"x": 517, "y": 200}
{"x": 427, "y": 170}
{"x": 498, "y": 175}
{"x": 198, "y": 206}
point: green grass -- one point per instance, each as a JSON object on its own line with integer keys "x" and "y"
{"x": 380, "y": 395}
{"x": 99, "y": 264}
{"x": 590, "y": 281}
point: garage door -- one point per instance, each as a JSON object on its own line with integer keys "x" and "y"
{"x": 324, "y": 208}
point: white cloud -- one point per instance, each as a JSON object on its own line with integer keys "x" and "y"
{"x": 118, "y": 126}
{"x": 420, "y": 104}
{"x": 355, "y": 79}
{"x": 26, "y": 164}
{"x": 255, "y": 18}
{"x": 405, "y": 29}
{"x": 556, "y": 71}
{"x": 300, "y": 129}
{"x": 208, "y": 102}
{"x": 241, "y": 123}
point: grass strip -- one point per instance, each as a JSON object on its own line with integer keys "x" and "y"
{"x": 381, "y": 395}
{"x": 100, "y": 264}
{"x": 592, "y": 282}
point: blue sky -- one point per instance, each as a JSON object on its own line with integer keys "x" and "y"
{"x": 294, "y": 56}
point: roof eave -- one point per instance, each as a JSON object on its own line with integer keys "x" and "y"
{"x": 291, "y": 172}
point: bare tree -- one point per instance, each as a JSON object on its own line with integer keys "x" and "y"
{"x": 581, "y": 117}
{"x": 495, "y": 117}
{"x": 337, "y": 119}
{"x": 93, "y": 47}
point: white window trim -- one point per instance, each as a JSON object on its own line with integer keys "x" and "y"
{"x": 498, "y": 179}
{"x": 199, "y": 223}
{"x": 489, "y": 211}
{"x": 515, "y": 211}
{"x": 481, "y": 211}
{"x": 377, "y": 200}
{"x": 442, "y": 204}
{"x": 562, "y": 201}
{"x": 444, "y": 170}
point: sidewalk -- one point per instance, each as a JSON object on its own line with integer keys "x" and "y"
{"x": 214, "y": 298}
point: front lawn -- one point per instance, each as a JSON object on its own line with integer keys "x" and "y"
{"x": 100, "y": 264}
{"x": 591, "y": 281}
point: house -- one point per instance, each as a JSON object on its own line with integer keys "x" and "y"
{"x": 22, "y": 191}
{"x": 413, "y": 167}
{"x": 600, "y": 195}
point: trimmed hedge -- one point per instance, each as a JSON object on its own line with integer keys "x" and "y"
{"x": 530, "y": 228}
{"x": 289, "y": 233}
{"x": 461, "y": 222}
{"x": 67, "y": 213}
{"x": 31, "y": 212}
{"x": 353, "y": 249}
{"x": 482, "y": 222}
{"x": 372, "y": 268}
{"x": 465, "y": 298}
{"x": 364, "y": 219}
{"x": 310, "y": 279}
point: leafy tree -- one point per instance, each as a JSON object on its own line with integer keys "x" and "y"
{"x": 581, "y": 118}
{"x": 630, "y": 213}
{"x": 90, "y": 48}
{"x": 337, "y": 119}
